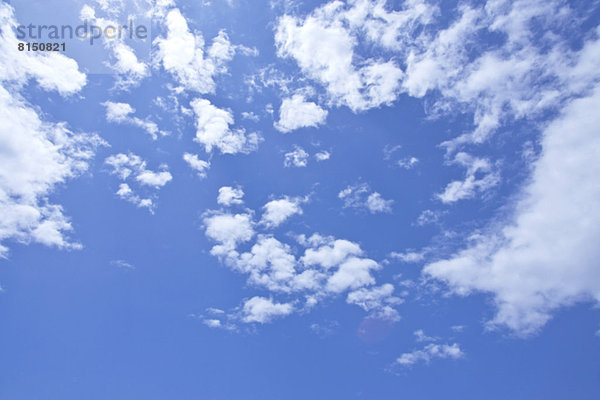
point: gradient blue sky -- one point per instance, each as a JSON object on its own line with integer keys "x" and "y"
{"x": 290, "y": 200}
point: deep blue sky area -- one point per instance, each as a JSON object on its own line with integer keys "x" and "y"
{"x": 365, "y": 199}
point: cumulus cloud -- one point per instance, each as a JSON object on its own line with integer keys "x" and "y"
{"x": 228, "y": 230}
{"x": 261, "y": 310}
{"x": 296, "y": 158}
{"x": 183, "y": 54}
{"x": 198, "y": 165}
{"x": 360, "y": 196}
{"x": 545, "y": 255}
{"x": 378, "y": 300}
{"x": 295, "y": 112}
{"x": 430, "y": 352}
{"x": 467, "y": 188}
{"x": 121, "y": 113}
{"x": 131, "y": 167}
{"x": 37, "y": 155}
{"x": 277, "y": 211}
{"x": 229, "y": 195}
{"x": 328, "y": 267}
{"x": 322, "y": 155}
{"x": 323, "y": 45}
{"x": 213, "y": 130}
{"x": 125, "y": 62}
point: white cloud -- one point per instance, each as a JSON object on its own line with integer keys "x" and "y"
{"x": 212, "y": 323}
{"x": 408, "y": 163}
{"x": 261, "y": 310}
{"x": 131, "y": 71}
{"x": 409, "y": 256}
{"x": 323, "y": 46}
{"x": 544, "y": 256}
{"x": 277, "y": 211}
{"x": 37, "y": 155}
{"x": 295, "y": 112}
{"x": 200, "y": 166}
{"x": 228, "y": 230}
{"x": 331, "y": 253}
{"x": 459, "y": 190}
{"x": 127, "y": 166}
{"x": 213, "y": 130}
{"x": 428, "y": 217}
{"x": 52, "y": 70}
{"x": 296, "y": 158}
{"x": 250, "y": 116}
{"x": 182, "y": 54}
{"x": 155, "y": 179}
{"x": 228, "y": 196}
{"x": 377, "y": 204}
{"x": 322, "y": 155}
{"x": 378, "y": 300}
{"x": 430, "y": 352}
{"x": 358, "y": 196}
{"x": 420, "y": 336}
{"x": 126, "y": 193}
{"x": 328, "y": 267}
{"x": 352, "y": 274}
{"x": 120, "y": 113}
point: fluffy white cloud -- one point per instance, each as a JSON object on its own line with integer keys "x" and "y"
{"x": 458, "y": 190}
{"x": 327, "y": 268}
{"x": 330, "y": 253}
{"x": 409, "y": 256}
{"x": 182, "y": 54}
{"x": 295, "y": 112}
{"x": 296, "y": 158}
{"x": 277, "y": 211}
{"x": 228, "y": 196}
{"x": 229, "y": 230}
{"x": 430, "y": 352}
{"x": 121, "y": 113}
{"x": 198, "y": 165}
{"x": 37, "y": 155}
{"x": 212, "y": 130}
{"x": 352, "y": 274}
{"x": 378, "y": 300}
{"x": 358, "y": 196}
{"x": 125, "y": 62}
{"x": 546, "y": 255}
{"x": 261, "y": 310}
{"x": 127, "y": 166}
{"x": 323, "y": 45}
{"x": 155, "y": 179}
{"x": 52, "y": 70}
{"x": 322, "y": 155}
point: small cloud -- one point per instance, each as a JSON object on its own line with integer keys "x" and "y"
{"x": 122, "y": 264}
{"x": 295, "y": 112}
{"x": 430, "y": 352}
{"x": 229, "y": 195}
{"x": 359, "y": 196}
{"x": 200, "y": 166}
{"x": 296, "y": 158}
{"x": 322, "y": 155}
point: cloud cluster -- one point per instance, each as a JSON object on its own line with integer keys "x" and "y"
{"x": 131, "y": 169}
{"x": 360, "y": 196}
{"x": 327, "y": 267}
{"x": 545, "y": 255}
{"x": 213, "y": 130}
{"x": 295, "y": 112}
{"x": 183, "y": 54}
{"x": 37, "y": 155}
{"x": 120, "y": 113}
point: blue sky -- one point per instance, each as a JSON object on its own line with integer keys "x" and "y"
{"x": 265, "y": 200}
